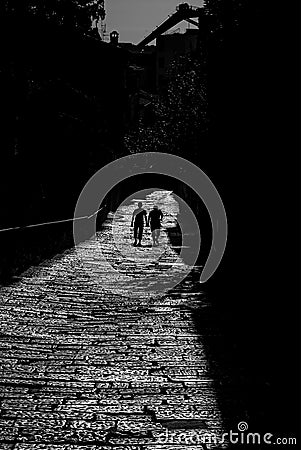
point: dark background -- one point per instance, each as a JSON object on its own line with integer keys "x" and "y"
{"x": 255, "y": 130}
{"x": 251, "y": 155}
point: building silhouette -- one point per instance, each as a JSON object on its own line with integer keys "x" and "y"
{"x": 168, "y": 47}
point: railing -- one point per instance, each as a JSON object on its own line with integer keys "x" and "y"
{"x": 23, "y": 227}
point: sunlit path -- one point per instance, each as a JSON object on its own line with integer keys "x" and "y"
{"x": 89, "y": 364}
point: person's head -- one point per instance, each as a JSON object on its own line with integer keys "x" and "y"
{"x": 140, "y": 205}
{"x": 156, "y": 207}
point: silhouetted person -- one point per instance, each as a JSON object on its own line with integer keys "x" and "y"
{"x": 154, "y": 220}
{"x": 138, "y": 220}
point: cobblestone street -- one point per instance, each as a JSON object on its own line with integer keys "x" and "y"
{"x": 91, "y": 359}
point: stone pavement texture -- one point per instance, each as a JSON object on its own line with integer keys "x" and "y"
{"x": 89, "y": 363}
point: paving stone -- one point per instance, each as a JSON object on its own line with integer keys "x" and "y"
{"x": 91, "y": 360}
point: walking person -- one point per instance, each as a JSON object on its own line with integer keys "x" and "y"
{"x": 138, "y": 217}
{"x": 154, "y": 221}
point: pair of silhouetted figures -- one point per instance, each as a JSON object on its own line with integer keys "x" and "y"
{"x": 153, "y": 220}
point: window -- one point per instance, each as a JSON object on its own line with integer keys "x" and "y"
{"x": 160, "y": 44}
{"x": 161, "y": 62}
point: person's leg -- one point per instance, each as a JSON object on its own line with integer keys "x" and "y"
{"x": 135, "y": 233}
{"x": 154, "y": 236}
{"x": 140, "y": 232}
{"x": 157, "y": 235}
